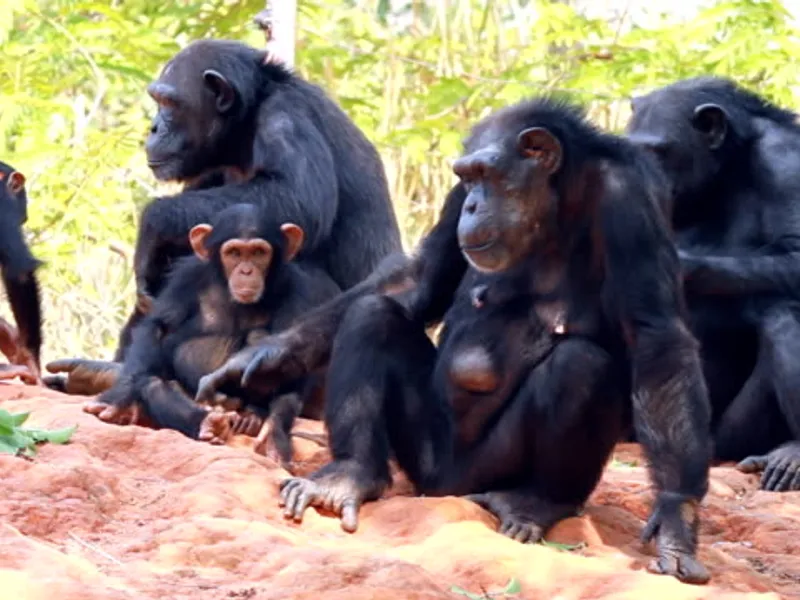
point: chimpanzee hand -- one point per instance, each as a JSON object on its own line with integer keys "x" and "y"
{"x": 144, "y": 301}
{"x": 781, "y": 468}
{"x": 84, "y": 377}
{"x": 674, "y": 523}
{"x": 231, "y": 371}
{"x": 116, "y": 405}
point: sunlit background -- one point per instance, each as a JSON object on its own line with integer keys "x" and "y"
{"x": 413, "y": 74}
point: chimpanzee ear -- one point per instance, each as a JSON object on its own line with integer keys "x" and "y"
{"x": 293, "y": 236}
{"x": 15, "y": 183}
{"x": 712, "y": 121}
{"x": 197, "y": 238}
{"x": 538, "y": 143}
{"x": 222, "y": 89}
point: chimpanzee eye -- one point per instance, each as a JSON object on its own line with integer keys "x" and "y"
{"x": 235, "y": 253}
{"x": 258, "y": 252}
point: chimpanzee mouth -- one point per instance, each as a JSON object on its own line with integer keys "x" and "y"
{"x": 478, "y": 247}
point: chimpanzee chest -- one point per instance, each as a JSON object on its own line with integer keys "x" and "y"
{"x": 487, "y": 346}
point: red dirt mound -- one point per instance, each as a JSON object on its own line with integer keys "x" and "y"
{"x": 132, "y": 513}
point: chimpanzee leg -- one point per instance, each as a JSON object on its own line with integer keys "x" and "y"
{"x": 750, "y": 423}
{"x": 780, "y": 348}
{"x": 378, "y": 398}
{"x": 170, "y": 408}
{"x": 546, "y": 453}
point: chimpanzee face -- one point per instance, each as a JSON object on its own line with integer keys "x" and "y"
{"x": 510, "y": 204}
{"x": 187, "y": 134}
{"x": 244, "y": 256}
{"x": 685, "y": 133}
{"x": 13, "y": 199}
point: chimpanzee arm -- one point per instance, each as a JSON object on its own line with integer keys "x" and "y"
{"x": 425, "y": 285}
{"x": 19, "y": 277}
{"x": 671, "y": 407}
{"x": 145, "y": 358}
{"x": 777, "y": 272}
{"x": 773, "y": 268}
{"x": 23, "y": 295}
{"x": 293, "y": 178}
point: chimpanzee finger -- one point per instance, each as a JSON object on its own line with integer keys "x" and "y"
{"x": 265, "y": 360}
{"x": 753, "y": 464}
{"x": 349, "y": 518}
{"x": 786, "y": 480}
{"x": 67, "y": 365}
{"x": 772, "y": 475}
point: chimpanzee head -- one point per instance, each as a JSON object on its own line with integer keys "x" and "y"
{"x": 207, "y": 97}
{"x": 243, "y": 252}
{"x": 699, "y": 129}
{"x": 511, "y": 168}
{"x": 13, "y": 199}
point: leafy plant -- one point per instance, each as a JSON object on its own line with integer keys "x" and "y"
{"x": 564, "y": 547}
{"x": 18, "y": 440}
{"x": 512, "y": 588}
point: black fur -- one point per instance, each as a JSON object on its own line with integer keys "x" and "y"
{"x": 282, "y": 144}
{"x": 19, "y": 265}
{"x": 735, "y": 174}
{"x": 195, "y": 325}
{"x": 559, "y": 287}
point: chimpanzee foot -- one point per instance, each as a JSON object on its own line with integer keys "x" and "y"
{"x": 21, "y": 371}
{"x": 340, "y": 487}
{"x": 130, "y": 414}
{"x": 523, "y": 516}
{"x": 217, "y": 427}
{"x": 781, "y": 468}
{"x": 674, "y": 523}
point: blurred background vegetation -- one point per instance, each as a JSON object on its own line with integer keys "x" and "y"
{"x": 414, "y": 74}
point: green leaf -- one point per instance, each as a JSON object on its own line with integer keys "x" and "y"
{"x": 564, "y": 547}
{"x": 20, "y": 418}
{"x": 6, "y": 447}
{"x": 513, "y": 586}
{"x": 58, "y": 436}
{"x": 6, "y": 422}
{"x": 461, "y": 591}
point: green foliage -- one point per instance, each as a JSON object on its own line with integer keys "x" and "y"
{"x": 413, "y": 75}
{"x": 564, "y": 547}
{"x": 512, "y": 589}
{"x": 18, "y": 440}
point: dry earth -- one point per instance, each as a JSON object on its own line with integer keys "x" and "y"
{"x": 132, "y": 513}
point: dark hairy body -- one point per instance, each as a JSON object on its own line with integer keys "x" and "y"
{"x": 734, "y": 163}
{"x": 235, "y": 128}
{"x": 240, "y": 285}
{"x": 559, "y": 288}
{"x": 22, "y": 346}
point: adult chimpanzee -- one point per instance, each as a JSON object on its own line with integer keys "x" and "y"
{"x": 734, "y": 162}
{"x": 554, "y": 238}
{"x": 281, "y": 143}
{"x": 240, "y": 283}
{"x": 19, "y": 278}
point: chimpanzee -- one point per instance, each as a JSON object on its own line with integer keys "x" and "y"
{"x": 553, "y": 236}
{"x": 281, "y": 143}
{"x": 19, "y": 266}
{"x": 241, "y": 283}
{"x": 734, "y": 164}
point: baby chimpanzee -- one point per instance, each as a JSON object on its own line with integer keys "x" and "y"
{"x": 240, "y": 284}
